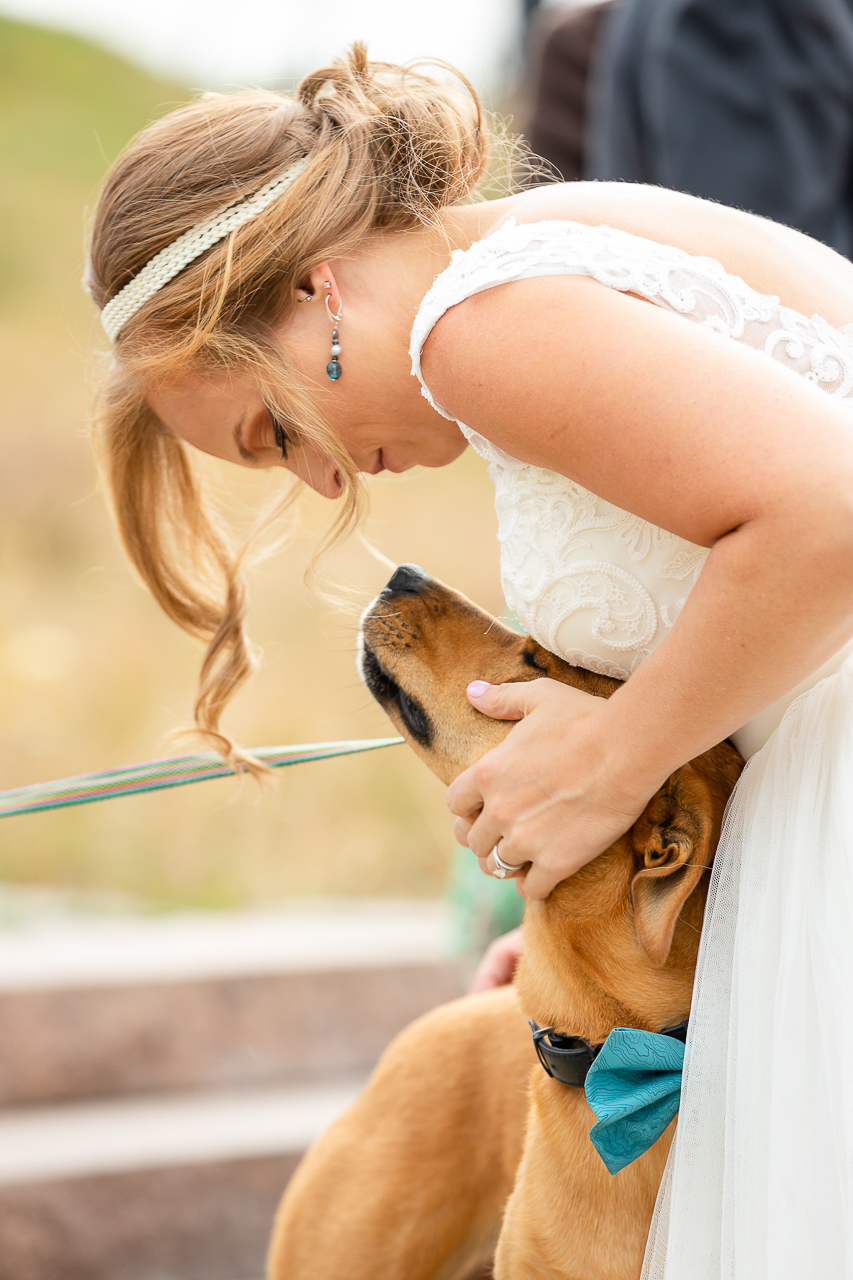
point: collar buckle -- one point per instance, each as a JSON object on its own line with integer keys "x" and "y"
{"x": 565, "y": 1058}
{"x": 569, "y": 1058}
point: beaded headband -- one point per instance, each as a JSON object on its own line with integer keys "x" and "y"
{"x": 169, "y": 262}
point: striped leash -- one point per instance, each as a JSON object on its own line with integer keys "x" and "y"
{"x": 154, "y": 775}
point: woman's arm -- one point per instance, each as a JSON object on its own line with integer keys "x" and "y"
{"x": 699, "y": 435}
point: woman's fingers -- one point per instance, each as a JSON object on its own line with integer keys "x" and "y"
{"x": 539, "y": 882}
{"x": 501, "y": 701}
{"x": 482, "y": 836}
{"x": 548, "y": 795}
{"x": 465, "y": 795}
{"x": 478, "y": 827}
{"x": 461, "y": 829}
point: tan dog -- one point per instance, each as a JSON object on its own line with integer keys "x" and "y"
{"x": 447, "y": 1151}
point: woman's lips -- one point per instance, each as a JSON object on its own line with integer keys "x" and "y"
{"x": 381, "y": 463}
{"x": 389, "y": 466}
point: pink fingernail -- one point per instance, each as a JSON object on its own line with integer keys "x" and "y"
{"x": 477, "y": 688}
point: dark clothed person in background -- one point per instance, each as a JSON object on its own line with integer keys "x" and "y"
{"x": 749, "y": 102}
{"x": 562, "y": 50}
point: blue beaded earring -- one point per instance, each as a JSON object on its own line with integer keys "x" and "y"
{"x": 333, "y": 368}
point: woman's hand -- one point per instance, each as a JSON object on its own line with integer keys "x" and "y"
{"x": 551, "y": 793}
{"x": 499, "y": 962}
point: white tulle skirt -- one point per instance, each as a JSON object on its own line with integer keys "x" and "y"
{"x": 759, "y": 1184}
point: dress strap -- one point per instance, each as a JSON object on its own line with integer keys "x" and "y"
{"x": 699, "y": 289}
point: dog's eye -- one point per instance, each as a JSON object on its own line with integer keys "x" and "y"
{"x": 413, "y": 716}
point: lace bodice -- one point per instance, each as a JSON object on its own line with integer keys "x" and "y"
{"x": 589, "y": 581}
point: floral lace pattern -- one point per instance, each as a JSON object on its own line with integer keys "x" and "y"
{"x": 589, "y": 581}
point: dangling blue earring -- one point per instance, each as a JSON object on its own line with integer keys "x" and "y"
{"x": 333, "y": 368}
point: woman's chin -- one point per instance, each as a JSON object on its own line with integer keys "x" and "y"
{"x": 449, "y": 454}
{"x": 438, "y": 455}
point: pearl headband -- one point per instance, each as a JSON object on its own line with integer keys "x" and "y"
{"x": 169, "y": 262}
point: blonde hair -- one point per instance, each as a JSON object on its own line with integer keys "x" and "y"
{"x": 388, "y": 148}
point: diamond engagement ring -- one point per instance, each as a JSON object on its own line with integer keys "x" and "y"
{"x": 504, "y": 869}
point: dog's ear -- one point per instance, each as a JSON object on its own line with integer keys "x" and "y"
{"x": 672, "y": 842}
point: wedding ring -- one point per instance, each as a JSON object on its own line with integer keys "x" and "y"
{"x": 504, "y": 869}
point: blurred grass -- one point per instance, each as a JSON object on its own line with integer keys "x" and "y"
{"x": 91, "y": 674}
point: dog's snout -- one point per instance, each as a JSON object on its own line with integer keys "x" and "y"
{"x": 407, "y": 580}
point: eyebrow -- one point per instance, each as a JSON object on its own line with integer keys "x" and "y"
{"x": 244, "y": 453}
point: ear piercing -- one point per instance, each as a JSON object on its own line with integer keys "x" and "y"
{"x": 333, "y": 368}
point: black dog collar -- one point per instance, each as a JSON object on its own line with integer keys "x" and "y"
{"x": 569, "y": 1058}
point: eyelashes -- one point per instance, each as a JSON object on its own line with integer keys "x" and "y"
{"x": 284, "y": 436}
{"x": 281, "y": 437}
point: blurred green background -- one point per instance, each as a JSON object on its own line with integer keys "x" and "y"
{"x": 91, "y": 675}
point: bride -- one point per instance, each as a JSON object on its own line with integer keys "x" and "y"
{"x": 660, "y": 387}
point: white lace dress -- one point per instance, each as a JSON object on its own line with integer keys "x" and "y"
{"x": 759, "y": 1184}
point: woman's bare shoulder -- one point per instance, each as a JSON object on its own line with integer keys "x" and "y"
{"x": 772, "y": 259}
{"x": 659, "y": 416}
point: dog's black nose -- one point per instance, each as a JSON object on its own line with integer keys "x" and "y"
{"x": 408, "y": 580}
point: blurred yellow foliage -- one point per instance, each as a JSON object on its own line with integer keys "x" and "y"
{"x": 91, "y": 675}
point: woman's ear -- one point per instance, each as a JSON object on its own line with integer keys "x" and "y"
{"x": 322, "y": 284}
{"x": 672, "y": 841}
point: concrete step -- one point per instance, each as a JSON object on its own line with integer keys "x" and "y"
{"x": 112, "y": 1007}
{"x": 80, "y": 1139}
{"x": 176, "y": 1187}
{"x": 194, "y": 1222}
{"x": 181, "y": 1066}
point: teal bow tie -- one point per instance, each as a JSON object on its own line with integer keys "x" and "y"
{"x": 634, "y": 1087}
